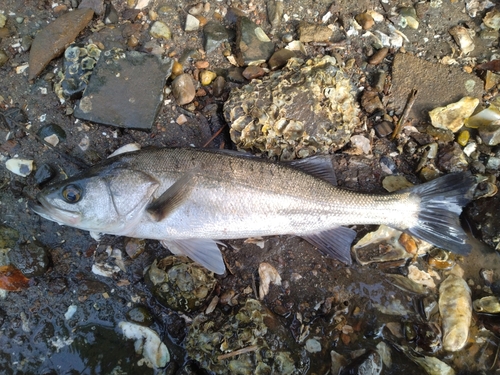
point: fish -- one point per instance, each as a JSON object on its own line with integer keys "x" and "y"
{"x": 191, "y": 199}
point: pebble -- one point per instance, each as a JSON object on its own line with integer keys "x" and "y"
{"x": 196, "y": 10}
{"x": 252, "y": 72}
{"x": 463, "y": 138}
{"x": 371, "y": 102}
{"x": 410, "y": 14}
{"x": 182, "y": 119}
{"x": 53, "y": 132}
{"x": 214, "y": 35}
{"x": 160, "y": 30}
{"x": 378, "y": 56}
{"x": 183, "y": 89}
{"x": 311, "y": 32}
{"x": 218, "y": 86}
{"x": 462, "y": 37}
{"x": 365, "y": 20}
{"x": 253, "y": 46}
{"x": 280, "y": 58}
{"x": 287, "y": 38}
{"x": 202, "y": 64}
{"x": 134, "y": 247}
{"x": 177, "y": 69}
{"x": 52, "y": 40}
{"x": 3, "y": 58}
{"x": 192, "y": 23}
{"x": 490, "y": 134}
{"x": 452, "y": 116}
{"x": 21, "y": 167}
{"x": 451, "y": 158}
{"x": 3, "y": 19}
{"x": 140, "y": 315}
{"x": 44, "y": 174}
{"x": 96, "y": 5}
{"x": 206, "y": 77}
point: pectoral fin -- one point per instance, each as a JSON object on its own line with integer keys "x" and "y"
{"x": 202, "y": 251}
{"x": 335, "y": 242}
{"x": 172, "y": 198}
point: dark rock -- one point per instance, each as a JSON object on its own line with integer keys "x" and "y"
{"x": 44, "y": 174}
{"x": 183, "y": 89}
{"x": 8, "y": 237}
{"x": 443, "y": 135}
{"x": 51, "y": 129}
{"x": 383, "y": 129}
{"x": 311, "y": 32}
{"x": 274, "y": 12}
{"x": 125, "y": 90}
{"x": 214, "y": 34}
{"x": 233, "y": 14}
{"x": 280, "y": 58}
{"x": 51, "y": 41}
{"x": 31, "y": 259}
{"x": 111, "y": 15}
{"x": 253, "y": 46}
{"x": 235, "y": 75}
{"x": 218, "y": 86}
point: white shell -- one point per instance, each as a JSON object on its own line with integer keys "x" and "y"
{"x": 21, "y": 167}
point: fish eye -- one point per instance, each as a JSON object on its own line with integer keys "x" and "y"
{"x": 72, "y": 193}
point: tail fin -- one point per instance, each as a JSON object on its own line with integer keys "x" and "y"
{"x": 440, "y": 207}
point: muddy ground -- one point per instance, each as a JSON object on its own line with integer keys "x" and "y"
{"x": 320, "y": 300}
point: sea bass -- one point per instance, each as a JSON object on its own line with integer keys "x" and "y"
{"x": 189, "y": 198}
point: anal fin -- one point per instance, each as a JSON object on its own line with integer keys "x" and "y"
{"x": 334, "y": 242}
{"x": 203, "y": 251}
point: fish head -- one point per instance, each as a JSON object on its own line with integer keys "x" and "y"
{"x": 104, "y": 200}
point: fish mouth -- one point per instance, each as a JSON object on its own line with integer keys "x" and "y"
{"x": 63, "y": 217}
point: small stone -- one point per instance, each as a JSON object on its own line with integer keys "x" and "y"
{"x": 183, "y": 89}
{"x": 111, "y": 15}
{"x": 96, "y": 5}
{"x": 453, "y": 116}
{"x": 462, "y": 38}
{"x": 160, "y": 30}
{"x": 132, "y": 41}
{"x": 3, "y": 58}
{"x": 253, "y": 46}
{"x": 177, "y": 70}
{"x": 50, "y": 130}
{"x": 493, "y": 163}
{"x": 182, "y": 119}
{"x": 492, "y": 19}
{"x": 463, "y": 138}
{"x": 287, "y": 38}
{"x": 490, "y": 134}
{"x": 313, "y": 346}
{"x": 192, "y": 23}
{"x": 274, "y": 12}
{"x": 365, "y": 20}
{"x": 3, "y": 19}
{"x": 371, "y": 102}
{"x": 361, "y": 144}
{"x": 206, "y": 77}
{"x": 21, "y": 167}
{"x": 140, "y": 315}
{"x": 252, "y": 72}
{"x": 383, "y": 129}
{"x": 196, "y": 9}
{"x": 311, "y": 32}
{"x": 378, "y": 56}
{"x": 410, "y": 15}
{"x": 203, "y": 64}
{"x": 134, "y": 247}
{"x": 451, "y": 158}
{"x": 280, "y": 58}
{"x": 234, "y": 74}
{"x": 218, "y": 86}
{"x": 203, "y": 21}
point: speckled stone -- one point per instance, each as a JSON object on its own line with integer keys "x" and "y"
{"x": 183, "y": 89}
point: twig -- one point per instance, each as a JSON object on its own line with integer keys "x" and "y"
{"x": 406, "y": 112}
{"x": 214, "y": 136}
{"x": 248, "y": 349}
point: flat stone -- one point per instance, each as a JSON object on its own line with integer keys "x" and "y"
{"x": 449, "y": 84}
{"x": 454, "y": 114}
{"x": 96, "y": 5}
{"x": 252, "y": 72}
{"x": 253, "y": 46}
{"x": 52, "y": 40}
{"x": 192, "y": 23}
{"x": 214, "y": 35}
{"x": 311, "y": 32}
{"x": 160, "y": 30}
{"x": 125, "y": 90}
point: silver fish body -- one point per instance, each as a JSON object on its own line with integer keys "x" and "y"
{"x": 188, "y": 197}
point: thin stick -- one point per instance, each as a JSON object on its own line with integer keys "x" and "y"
{"x": 251, "y": 348}
{"x": 215, "y": 135}
{"x": 406, "y": 113}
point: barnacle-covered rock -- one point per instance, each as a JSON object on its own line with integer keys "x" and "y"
{"x": 243, "y": 343}
{"x": 180, "y": 284}
{"x": 294, "y": 113}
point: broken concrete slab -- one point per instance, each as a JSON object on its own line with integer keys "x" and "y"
{"x": 52, "y": 40}
{"x": 449, "y": 84}
{"x": 125, "y": 89}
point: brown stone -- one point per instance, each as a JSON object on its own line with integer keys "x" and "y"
{"x": 51, "y": 41}
{"x": 252, "y": 72}
{"x": 311, "y": 32}
{"x": 378, "y": 56}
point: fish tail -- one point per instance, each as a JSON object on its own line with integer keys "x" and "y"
{"x": 441, "y": 203}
